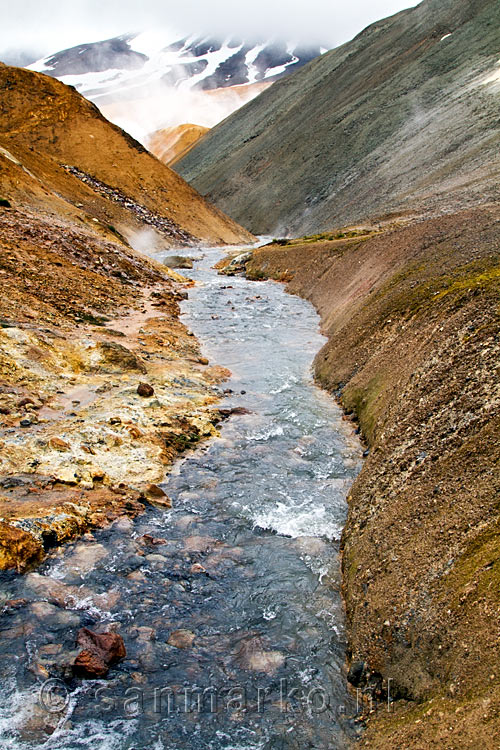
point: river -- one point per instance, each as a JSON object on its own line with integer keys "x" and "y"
{"x": 248, "y": 572}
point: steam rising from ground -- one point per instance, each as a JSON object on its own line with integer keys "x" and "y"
{"x": 163, "y": 106}
{"x": 147, "y": 241}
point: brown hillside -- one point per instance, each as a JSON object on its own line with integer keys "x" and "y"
{"x": 171, "y": 144}
{"x": 64, "y": 146}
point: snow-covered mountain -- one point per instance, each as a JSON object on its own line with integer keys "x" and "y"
{"x": 143, "y": 84}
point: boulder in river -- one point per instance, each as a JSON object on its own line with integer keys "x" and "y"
{"x": 156, "y": 496}
{"x": 153, "y": 541}
{"x": 177, "y": 261}
{"x": 100, "y": 652}
{"x": 235, "y": 410}
{"x": 254, "y": 656}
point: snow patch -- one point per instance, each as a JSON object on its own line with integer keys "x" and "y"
{"x": 250, "y": 59}
{"x": 152, "y": 42}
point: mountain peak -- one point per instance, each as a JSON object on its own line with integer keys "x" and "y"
{"x": 144, "y": 84}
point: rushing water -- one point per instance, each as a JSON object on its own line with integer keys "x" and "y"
{"x": 258, "y": 513}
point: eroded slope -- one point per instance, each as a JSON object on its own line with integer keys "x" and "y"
{"x": 404, "y": 117}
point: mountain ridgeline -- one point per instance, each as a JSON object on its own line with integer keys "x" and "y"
{"x": 143, "y": 84}
{"x": 202, "y": 62}
{"x": 403, "y": 118}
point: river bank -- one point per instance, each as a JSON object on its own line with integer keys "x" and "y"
{"x": 102, "y": 384}
{"x": 410, "y": 309}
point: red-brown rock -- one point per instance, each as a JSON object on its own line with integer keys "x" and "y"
{"x": 100, "y": 652}
{"x": 156, "y": 496}
{"x": 59, "y": 445}
{"x": 18, "y": 548}
{"x": 153, "y": 541}
{"x": 152, "y": 490}
{"x": 181, "y": 639}
{"x": 145, "y": 390}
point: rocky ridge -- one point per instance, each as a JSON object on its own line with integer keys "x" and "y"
{"x": 59, "y": 155}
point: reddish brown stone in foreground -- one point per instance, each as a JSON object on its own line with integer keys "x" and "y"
{"x": 89, "y": 665}
{"x": 100, "y": 652}
{"x": 153, "y": 540}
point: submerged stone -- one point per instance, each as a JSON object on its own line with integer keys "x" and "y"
{"x": 181, "y": 639}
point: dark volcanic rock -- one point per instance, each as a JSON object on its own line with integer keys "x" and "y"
{"x": 226, "y": 413}
{"x": 356, "y": 673}
{"x": 95, "y": 57}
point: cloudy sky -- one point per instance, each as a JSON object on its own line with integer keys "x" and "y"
{"x": 35, "y": 28}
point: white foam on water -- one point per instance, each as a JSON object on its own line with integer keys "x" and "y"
{"x": 269, "y": 614}
{"x": 274, "y": 431}
{"x": 87, "y": 604}
{"x": 257, "y": 745}
{"x": 19, "y": 707}
{"x": 289, "y": 383}
{"x": 293, "y": 522}
{"x": 16, "y": 707}
{"x": 94, "y": 735}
